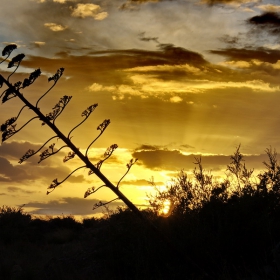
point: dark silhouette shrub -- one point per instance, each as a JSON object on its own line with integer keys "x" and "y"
{"x": 10, "y": 216}
{"x": 90, "y": 222}
{"x": 67, "y": 222}
{"x": 13, "y": 223}
{"x": 234, "y": 226}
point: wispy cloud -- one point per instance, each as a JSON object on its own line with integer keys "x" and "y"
{"x": 175, "y": 160}
{"x": 142, "y": 37}
{"x": 270, "y": 8}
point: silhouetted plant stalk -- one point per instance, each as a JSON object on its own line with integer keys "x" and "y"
{"x": 9, "y": 129}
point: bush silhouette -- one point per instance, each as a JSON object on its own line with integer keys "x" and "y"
{"x": 13, "y": 223}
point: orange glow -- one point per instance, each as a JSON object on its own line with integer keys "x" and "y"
{"x": 166, "y": 208}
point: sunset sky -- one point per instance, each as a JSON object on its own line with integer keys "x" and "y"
{"x": 176, "y": 79}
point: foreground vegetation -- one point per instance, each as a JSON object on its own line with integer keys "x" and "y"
{"x": 214, "y": 230}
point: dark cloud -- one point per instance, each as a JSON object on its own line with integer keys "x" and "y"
{"x": 4, "y": 179}
{"x": 135, "y": 182}
{"x": 146, "y": 147}
{"x": 218, "y": 2}
{"x": 230, "y": 40}
{"x": 18, "y": 190}
{"x": 167, "y": 54}
{"x": 9, "y": 172}
{"x": 69, "y": 206}
{"x": 31, "y": 170}
{"x": 186, "y": 146}
{"x": 181, "y": 55}
{"x": 142, "y": 37}
{"x": 262, "y": 54}
{"x": 175, "y": 160}
{"x": 148, "y": 39}
{"x": 268, "y": 21}
{"x": 15, "y": 150}
{"x": 168, "y": 160}
{"x": 56, "y": 172}
{"x": 267, "y": 18}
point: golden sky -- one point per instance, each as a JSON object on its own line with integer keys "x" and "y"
{"x": 176, "y": 78}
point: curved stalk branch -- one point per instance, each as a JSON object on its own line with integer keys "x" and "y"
{"x": 58, "y": 114}
{"x": 54, "y": 78}
{"x": 9, "y": 132}
{"x": 47, "y": 154}
{"x": 129, "y": 165}
{"x": 122, "y": 178}
{"x": 107, "y": 154}
{"x": 85, "y": 113}
{"x": 31, "y": 153}
{"x": 60, "y": 106}
{"x": 8, "y": 98}
{"x": 102, "y": 127}
{"x": 58, "y": 109}
{"x": 55, "y": 183}
{"x": 2, "y": 93}
{"x": 20, "y": 111}
{"x": 84, "y": 166}
{"x": 45, "y": 94}
{"x": 92, "y": 143}
{"x": 4, "y": 59}
{"x": 7, "y": 92}
{"x": 47, "y": 142}
{"x": 92, "y": 190}
{"x": 36, "y": 117}
{"x": 13, "y": 72}
{"x": 68, "y": 136}
{"x": 100, "y": 203}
